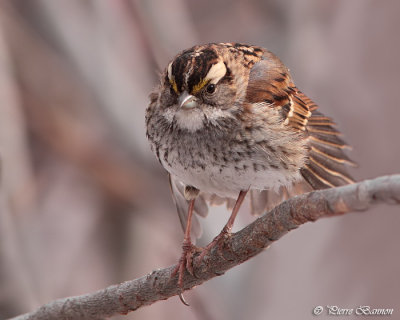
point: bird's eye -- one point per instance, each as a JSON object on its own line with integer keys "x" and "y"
{"x": 210, "y": 88}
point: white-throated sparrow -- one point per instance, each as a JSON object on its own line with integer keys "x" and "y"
{"x": 227, "y": 118}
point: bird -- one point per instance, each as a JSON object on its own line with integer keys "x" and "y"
{"x": 226, "y": 120}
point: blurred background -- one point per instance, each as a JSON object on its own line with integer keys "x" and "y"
{"x": 85, "y": 204}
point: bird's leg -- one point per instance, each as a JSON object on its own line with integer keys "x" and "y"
{"x": 226, "y": 230}
{"x": 187, "y": 249}
{"x": 228, "y": 227}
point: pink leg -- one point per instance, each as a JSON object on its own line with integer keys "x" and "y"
{"x": 228, "y": 226}
{"x": 235, "y": 210}
{"x": 187, "y": 249}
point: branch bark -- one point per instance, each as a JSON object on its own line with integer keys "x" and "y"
{"x": 241, "y": 246}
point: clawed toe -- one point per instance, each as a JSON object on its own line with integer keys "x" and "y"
{"x": 185, "y": 262}
{"x": 217, "y": 242}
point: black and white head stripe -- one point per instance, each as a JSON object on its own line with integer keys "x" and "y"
{"x": 194, "y": 68}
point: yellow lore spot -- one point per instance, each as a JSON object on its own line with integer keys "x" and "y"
{"x": 196, "y": 89}
{"x": 216, "y": 73}
{"x": 173, "y": 84}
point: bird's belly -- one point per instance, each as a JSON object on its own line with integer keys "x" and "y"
{"x": 228, "y": 181}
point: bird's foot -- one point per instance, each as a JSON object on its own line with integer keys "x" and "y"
{"x": 185, "y": 262}
{"x": 217, "y": 242}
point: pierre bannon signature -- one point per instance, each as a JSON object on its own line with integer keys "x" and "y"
{"x": 361, "y": 310}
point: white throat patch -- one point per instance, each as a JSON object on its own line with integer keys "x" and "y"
{"x": 191, "y": 120}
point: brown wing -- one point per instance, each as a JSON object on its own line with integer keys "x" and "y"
{"x": 270, "y": 82}
{"x": 327, "y": 160}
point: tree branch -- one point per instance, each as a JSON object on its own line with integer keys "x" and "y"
{"x": 241, "y": 246}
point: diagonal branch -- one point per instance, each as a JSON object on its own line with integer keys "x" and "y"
{"x": 241, "y": 246}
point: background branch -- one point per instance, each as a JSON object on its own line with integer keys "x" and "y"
{"x": 238, "y": 248}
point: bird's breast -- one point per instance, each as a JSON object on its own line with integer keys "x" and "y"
{"x": 226, "y": 168}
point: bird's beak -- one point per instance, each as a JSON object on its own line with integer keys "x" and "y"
{"x": 187, "y": 101}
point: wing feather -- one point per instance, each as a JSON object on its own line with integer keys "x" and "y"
{"x": 327, "y": 162}
{"x": 326, "y": 166}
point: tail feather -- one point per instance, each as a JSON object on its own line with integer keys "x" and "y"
{"x": 326, "y": 165}
{"x": 262, "y": 201}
